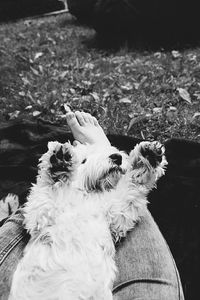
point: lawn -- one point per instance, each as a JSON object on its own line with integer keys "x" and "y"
{"x": 46, "y": 64}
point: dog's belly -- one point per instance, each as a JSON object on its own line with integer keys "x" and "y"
{"x": 73, "y": 259}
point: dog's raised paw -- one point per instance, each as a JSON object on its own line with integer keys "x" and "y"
{"x": 148, "y": 163}
{"x": 61, "y": 162}
{"x": 153, "y": 152}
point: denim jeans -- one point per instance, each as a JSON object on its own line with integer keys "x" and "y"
{"x": 146, "y": 269}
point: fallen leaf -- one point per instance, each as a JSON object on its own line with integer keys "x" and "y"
{"x": 106, "y": 95}
{"x": 28, "y": 107}
{"x": 157, "y": 110}
{"x": 87, "y": 83}
{"x": 14, "y": 115}
{"x": 192, "y": 57}
{"x": 54, "y": 92}
{"x": 197, "y": 95}
{"x": 158, "y": 54}
{"x": 142, "y": 135}
{"x": 183, "y": 93}
{"x": 34, "y": 71}
{"x": 136, "y": 120}
{"x": 38, "y": 55}
{"x": 172, "y": 108}
{"x": 132, "y": 115}
{"x": 66, "y": 107}
{"x": 176, "y": 54}
{"x": 22, "y": 36}
{"x": 27, "y": 23}
{"x": 136, "y": 85}
{"x": 148, "y": 115}
{"x": 40, "y": 68}
{"x": 196, "y": 115}
{"x": 125, "y": 100}
{"x": 72, "y": 91}
{"x": 36, "y": 113}
{"x": 22, "y": 94}
{"x": 25, "y": 81}
{"x": 118, "y": 59}
{"x": 61, "y": 116}
{"x": 89, "y": 66}
{"x": 63, "y": 74}
{"x": 51, "y": 40}
{"x": 86, "y": 98}
{"x": 30, "y": 96}
{"x": 95, "y": 96}
{"x": 127, "y": 87}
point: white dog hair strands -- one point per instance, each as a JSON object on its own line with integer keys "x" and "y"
{"x": 84, "y": 200}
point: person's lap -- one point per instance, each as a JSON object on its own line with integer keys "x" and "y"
{"x": 146, "y": 269}
{"x": 145, "y": 259}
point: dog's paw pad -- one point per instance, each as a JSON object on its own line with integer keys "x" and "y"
{"x": 153, "y": 152}
{"x": 61, "y": 163}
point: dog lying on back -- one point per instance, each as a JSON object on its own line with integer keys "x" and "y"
{"x": 85, "y": 199}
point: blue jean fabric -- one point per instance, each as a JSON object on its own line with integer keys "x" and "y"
{"x": 146, "y": 267}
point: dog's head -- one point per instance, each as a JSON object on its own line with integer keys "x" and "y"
{"x": 99, "y": 168}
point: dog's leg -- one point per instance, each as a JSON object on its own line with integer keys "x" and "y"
{"x": 57, "y": 165}
{"x": 148, "y": 163}
{"x": 62, "y": 164}
{"x": 56, "y": 169}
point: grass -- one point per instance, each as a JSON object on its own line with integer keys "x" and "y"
{"x": 46, "y": 64}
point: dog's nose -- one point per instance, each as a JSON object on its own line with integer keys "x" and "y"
{"x": 116, "y": 158}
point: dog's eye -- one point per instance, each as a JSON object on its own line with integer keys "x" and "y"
{"x": 84, "y": 161}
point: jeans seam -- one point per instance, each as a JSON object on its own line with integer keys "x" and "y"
{"x": 4, "y": 253}
{"x": 126, "y": 283}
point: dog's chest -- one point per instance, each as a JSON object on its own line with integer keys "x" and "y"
{"x": 75, "y": 252}
{"x": 83, "y": 221}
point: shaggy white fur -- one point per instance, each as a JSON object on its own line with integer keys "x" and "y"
{"x": 84, "y": 200}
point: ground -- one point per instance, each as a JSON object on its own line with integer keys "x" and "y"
{"x": 46, "y": 64}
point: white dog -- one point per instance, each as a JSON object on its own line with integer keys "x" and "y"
{"x": 84, "y": 200}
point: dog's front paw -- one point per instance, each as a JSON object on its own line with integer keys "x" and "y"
{"x": 153, "y": 152}
{"x": 57, "y": 164}
{"x": 148, "y": 162}
{"x": 62, "y": 162}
